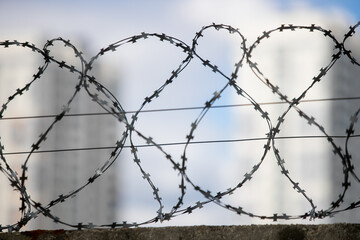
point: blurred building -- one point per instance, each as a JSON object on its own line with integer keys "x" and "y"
{"x": 290, "y": 60}
{"x": 16, "y": 68}
{"x": 52, "y": 173}
{"x": 346, "y": 84}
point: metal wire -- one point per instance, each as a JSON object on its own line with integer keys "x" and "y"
{"x": 30, "y": 208}
{"x": 177, "y": 109}
{"x": 177, "y": 143}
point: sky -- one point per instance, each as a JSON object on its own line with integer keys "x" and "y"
{"x": 351, "y": 6}
{"x": 100, "y": 23}
{"x": 110, "y": 21}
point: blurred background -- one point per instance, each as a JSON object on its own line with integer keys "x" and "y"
{"x": 133, "y": 72}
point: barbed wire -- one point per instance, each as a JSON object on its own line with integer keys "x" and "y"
{"x": 31, "y": 208}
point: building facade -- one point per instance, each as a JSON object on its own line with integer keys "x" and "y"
{"x": 290, "y": 60}
{"x": 53, "y": 173}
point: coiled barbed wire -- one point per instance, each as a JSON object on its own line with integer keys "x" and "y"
{"x": 30, "y": 208}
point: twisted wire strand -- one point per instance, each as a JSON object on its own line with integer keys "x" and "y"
{"x": 31, "y": 208}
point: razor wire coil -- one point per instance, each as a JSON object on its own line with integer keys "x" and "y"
{"x": 30, "y": 208}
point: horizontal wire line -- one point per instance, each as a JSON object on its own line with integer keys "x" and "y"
{"x": 178, "y": 109}
{"x": 179, "y": 143}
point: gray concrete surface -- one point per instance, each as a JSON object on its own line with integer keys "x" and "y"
{"x": 253, "y": 232}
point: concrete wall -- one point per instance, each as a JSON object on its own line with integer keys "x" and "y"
{"x": 253, "y": 232}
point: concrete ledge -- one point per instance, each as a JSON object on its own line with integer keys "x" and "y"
{"x": 253, "y": 232}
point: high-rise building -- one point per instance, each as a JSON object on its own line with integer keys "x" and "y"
{"x": 290, "y": 60}
{"x": 53, "y": 173}
{"x": 346, "y": 84}
{"x": 15, "y": 71}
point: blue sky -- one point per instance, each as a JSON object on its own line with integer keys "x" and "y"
{"x": 352, "y": 6}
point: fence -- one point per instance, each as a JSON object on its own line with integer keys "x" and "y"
{"x": 30, "y": 208}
